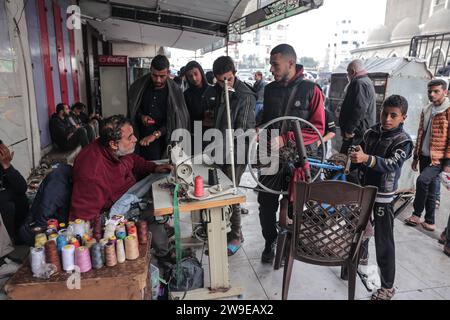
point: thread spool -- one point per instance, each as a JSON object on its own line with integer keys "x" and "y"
{"x": 120, "y": 251}
{"x": 213, "y": 178}
{"x": 53, "y": 237}
{"x": 75, "y": 242}
{"x": 52, "y": 222}
{"x": 199, "y": 190}
{"x": 131, "y": 248}
{"x": 121, "y": 231}
{"x": 79, "y": 227}
{"x": 51, "y": 231}
{"x": 103, "y": 243}
{"x": 37, "y": 260}
{"x": 83, "y": 259}
{"x": 51, "y": 255}
{"x": 62, "y": 225}
{"x": 142, "y": 231}
{"x": 112, "y": 240}
{"x": 110, "y": 255}
{"x": 61, "y": 241}
{"x": 96, "y": 256}
{"x": 90, "y": 243}
{"x": 40, "y": 239}
{"x": 68, "y": 257}
{"x": 132, "y": 231}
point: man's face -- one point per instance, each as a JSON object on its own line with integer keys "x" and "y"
{"x": 229, "y": 76}
{"x": 279, "y": 66}
{"x": 391, "y": 117}
{"x": 258, "y": 76}
{"x": 127, "y": 143}
{"x": 437, "y": 95}
{"x": 194, "y": 77}
{"x": 159, "y": 77}
{"x": 77, "y": 111}
{"x": 66, "y": 110}
{"x": 350, "y": 73}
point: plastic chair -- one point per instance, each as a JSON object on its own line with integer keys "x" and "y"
{"x": 329, "y": 220}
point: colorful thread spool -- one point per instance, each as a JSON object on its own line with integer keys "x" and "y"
{"x": 51, "y": 255}
{"x": 96, "y": 256}
{"x": 53, "y": 237}
{"x": 68, "y": 257}
{"x": 75, "y": 242}
{"x": 110, "y": 255}
{"x": 61, "y": 241}
{"x": 120, "y": 251}
{"x": 103, "y": 243}
{"x": 142, "y": 231}
{"x": 37, "y": 261}
{"x": 62, "y": 225}
{"x": 112, "y": 240}
{"x": 131, "y": 248}
{"x": 52, "y": 222}
{"x": 79, "y": 227}
{"x": 199, "y": 190}
{"x": 83, "y": 259}
{"x": 40, "y": 239}
{"x": 90, "y": 242}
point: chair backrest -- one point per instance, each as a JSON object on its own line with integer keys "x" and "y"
{"x": 329, "y": 221}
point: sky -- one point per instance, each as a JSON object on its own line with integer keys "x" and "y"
{"x": 309, "y": 33}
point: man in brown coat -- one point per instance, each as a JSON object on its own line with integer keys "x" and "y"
{"x": 432, "y": 153}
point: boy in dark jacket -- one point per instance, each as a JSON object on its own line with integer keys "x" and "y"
{"x": 385, "y": 148}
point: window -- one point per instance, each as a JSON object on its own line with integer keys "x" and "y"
{"x": 437, "y": 5}
{"x": 344, "y": 42}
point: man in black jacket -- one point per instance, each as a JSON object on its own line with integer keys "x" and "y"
{"x": 194, "y": 94}
{"x": 65, "y": 135}
{"x": 307, "y": 102}
{"x": 358, "y": 110}
{"x": 13, "y": 202}
{"x": 156, "y": 108}
{"x": 242, "y": 112}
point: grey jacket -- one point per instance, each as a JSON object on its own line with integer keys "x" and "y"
{"x": 177, "y": 112}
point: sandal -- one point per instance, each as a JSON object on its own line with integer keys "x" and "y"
{"x": 428, "y": 226}
{"x": 412, "y": 221}
{"x": 383, "y": 294}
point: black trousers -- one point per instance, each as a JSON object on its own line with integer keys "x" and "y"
{"x": 79, "y": 137}
{"x": 14, "y": 210}
{"x": 383, "y": 222}
{"x": 426, "y": 189}
{"x": 268, "y": 207}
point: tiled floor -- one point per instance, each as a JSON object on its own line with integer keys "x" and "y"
{"x": 423, "y": 271}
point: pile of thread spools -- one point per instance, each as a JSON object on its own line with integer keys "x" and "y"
{"x": 60, "y": 248}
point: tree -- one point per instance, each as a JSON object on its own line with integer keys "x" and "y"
{"x": 308, "y": 62}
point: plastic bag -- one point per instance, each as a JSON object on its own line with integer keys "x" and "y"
{"x": 445, "y": 179}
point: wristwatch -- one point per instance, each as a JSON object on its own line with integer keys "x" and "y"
{"x": 157, "y": 134}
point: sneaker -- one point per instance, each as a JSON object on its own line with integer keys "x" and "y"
{"x": 383, "y": 294}
{"x": 413, "y": 220}
{"x": 447, "y": 250}
{"x": 268, "y": 254}
{"x": 442, "y": 238}
{"x": 8, "y": 268}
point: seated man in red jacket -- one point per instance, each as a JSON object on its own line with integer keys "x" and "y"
{"x": 105, "y": 169}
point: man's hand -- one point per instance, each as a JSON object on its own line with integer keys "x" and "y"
{"x": 414, "y": 165}
{"x": 358, "y": 156}
{"x": 147, "y": 120}
{"x": 145, "y": 142}
{"x": 5, "y": 156}
{"x": 163, "y": 168}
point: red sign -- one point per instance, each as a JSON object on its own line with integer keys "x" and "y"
{"x": 105, "y": 60}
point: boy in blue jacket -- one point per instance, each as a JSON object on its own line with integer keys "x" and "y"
{"x": 386, "y": 146}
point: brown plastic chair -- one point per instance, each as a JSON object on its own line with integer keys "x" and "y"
{"x": 329, "y": 220}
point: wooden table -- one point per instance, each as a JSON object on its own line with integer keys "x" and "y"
{"x": 217, "y": 237}
{"x": 125, "y": 281}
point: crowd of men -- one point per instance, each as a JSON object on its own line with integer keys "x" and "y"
{"x": 119, "y": 151}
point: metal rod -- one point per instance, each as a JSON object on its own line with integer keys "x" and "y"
{"x": 230, "y": 135}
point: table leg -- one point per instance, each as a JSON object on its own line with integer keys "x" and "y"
{"x": 217, "y": 247}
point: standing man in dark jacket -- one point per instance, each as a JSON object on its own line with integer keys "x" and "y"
{"x": 258, "y": 87}
{"x": 156, "y": 107}
{"x": 242, "y": 110}
{"x": 65, "y": 135}
{"x": 358, "y": 110}
{"x": 194, "y": 94}
{"x": 13, "y": 202}
{"x": 307, "y": 103}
